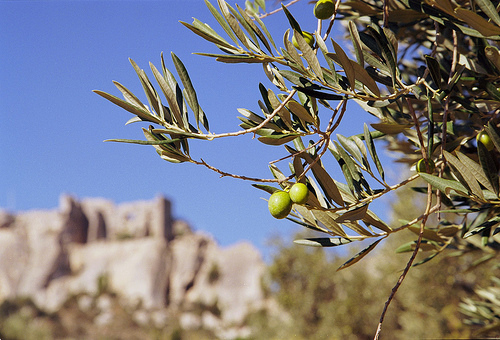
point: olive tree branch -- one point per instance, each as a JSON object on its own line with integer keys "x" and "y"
{"x": 227, "y": 174}
{"x": 277, "y": 10}
{"x": 258, "y": 127}
{"x": 410, "y": 262}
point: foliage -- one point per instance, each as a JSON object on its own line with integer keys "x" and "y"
{"x": 428, "y": 70}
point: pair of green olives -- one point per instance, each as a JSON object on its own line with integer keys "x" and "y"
{"x": 280, "y": 203}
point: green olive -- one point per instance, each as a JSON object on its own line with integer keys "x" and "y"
{"x": 324, "y": 9}
{"x": 421, "y": 166}
{"x": 299, "y": 193}
{"x": 308, "y": 37}
{"x": 483, "y": 138}
{"x": 280, "y": 204}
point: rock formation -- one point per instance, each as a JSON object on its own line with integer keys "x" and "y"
{"x": 153, "y": 263}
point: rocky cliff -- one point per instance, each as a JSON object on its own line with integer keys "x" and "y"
{"x": 155, "y": 265}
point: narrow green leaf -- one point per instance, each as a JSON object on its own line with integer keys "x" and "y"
{"x": 278, "y": 139}
{"x": 323, "y": 242}
{"x": 190, "y": 93}
{"x": 222, "y": 22}
{"x": 474, "y": 20}
{"x": 245, "y": 24}
{"x": 372, "y": 219}
{"x": 267, "y": 188}
{"x": 295, "y": 57}
{"x": 254, "y": 27}
{"x": 359, "y": 255}
{"x": 327, "y": 219}
{"x": 434, "y": 70}
{"x": 129, "y": 96}
{"x": 490, "y": 10}
{"x": 299, "y": 111}
{"x": 356, "y": 42}
{"x": 169, "y": 93}
{"x": 466, "y": 174}
{"x": 318, "y": 94}
{"x": 489, "y": 167}
{"x": 353, "y": 215}
{"x": 143, "y": 142}
{"x": 207, "y": 33}
{"x": 151, "y": 94}
{"x": 494, "y": 134}
{"x": 387, "y": 52}
{"x": 140, "y": 112}
{"x": 475, "y": 169}
{"x": 351, "y": 165}
{"x": 266, "y": 31}
{"x": 325, "y": 181}
{"x": 373, "y": 151}
{"x": 345, "y": 62}
{"x": 293, "y": 23}
{"x": 233, "y": 23}
{"x": 283, "y": 113}
{"x": 351, "y": 147}
{"x": 309, "y": 55}
{"x": 362, "y": 148}
{"x": 444, "y": 185}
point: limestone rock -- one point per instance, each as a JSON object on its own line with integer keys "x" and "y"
{"x": 157, "y": 266}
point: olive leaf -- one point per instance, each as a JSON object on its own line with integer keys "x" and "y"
{"x": 360, "y": 255}
{"x": 489, "y": 167}
{"x": 323, "y": 242}
{"x": 469, "y": 179}
{"x": 444, "y": 185}
{"x": 372, "y": 150}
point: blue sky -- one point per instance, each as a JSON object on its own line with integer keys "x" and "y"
{"x": 54, "y": 53}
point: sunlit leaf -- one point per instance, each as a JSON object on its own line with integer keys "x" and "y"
{"x": 309, "y": 55}
{"x": 494, "y": 134}
{"x": 477, "y": 22}
{"x": 169, "y": 93}
{"x": 140, "y": 112}
{"x": 444, "y": 185}
{"x": 327, "y": 219}
{"x": 325, "y": 181}
{"x": 372, "y": 150}
{"x": 323, "y": 242}
{"x": 469, "y": 178}
{"x": 359, "y": 255}
{"x": 488, "y": 164}
{"x": 353, "y": 215}
{"x": 190, "y": 93}
{"x": 475, "y": 169}
{"x": 346, "y": 64}
{"x": 373, "y": 220}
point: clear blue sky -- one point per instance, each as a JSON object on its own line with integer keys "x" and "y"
{"x": 54, "y": 53}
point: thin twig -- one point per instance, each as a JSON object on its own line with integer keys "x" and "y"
{"x": 227, "y": 174}
{"x": 409, "y": 264}
{"x": 278, "y": 9}
{"x": 261, "y": 125}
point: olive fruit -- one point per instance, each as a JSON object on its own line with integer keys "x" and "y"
{"x": 308, "y": 37}
{"x": 421, "y": 166}
{"x": 299, "y": 193}
{"x": 280, "y": 204}
{"x": 324, "y": 9}
{"x": 483, "y": 138}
